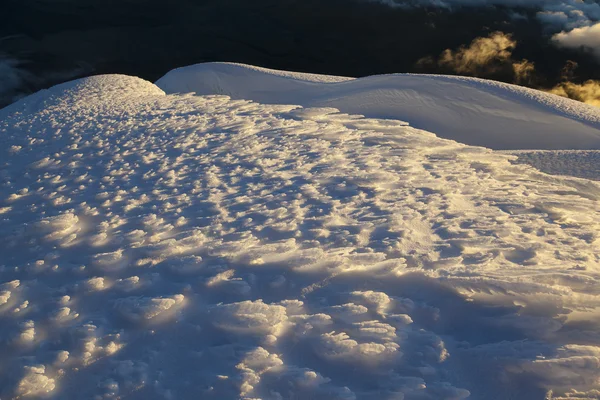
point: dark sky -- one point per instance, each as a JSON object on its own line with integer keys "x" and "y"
{"x": 49, "y": 41}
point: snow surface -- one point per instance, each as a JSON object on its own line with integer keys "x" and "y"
{"x": 579, "y": 163}
{"x": 469, "y": 110}
{"x": 161, "y": 246}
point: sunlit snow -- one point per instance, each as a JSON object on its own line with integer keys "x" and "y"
{"x": 470, "y": 110}
{"x": 180, "y": 246}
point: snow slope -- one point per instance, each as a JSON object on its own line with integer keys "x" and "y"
{"x": 468, "y": 110}
{"x": 181, "y": 247}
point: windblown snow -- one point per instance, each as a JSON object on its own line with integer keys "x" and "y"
{"x": 161, "y": 246}
{"x": 469, "y": 110}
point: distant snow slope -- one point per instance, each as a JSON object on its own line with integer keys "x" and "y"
{"x": 160, "y": 246}
{"x": 469, "y": 110}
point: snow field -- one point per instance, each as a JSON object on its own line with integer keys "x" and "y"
{"x": 181, "y": 247}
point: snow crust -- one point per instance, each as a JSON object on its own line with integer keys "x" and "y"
{"x": 161, "y": 246}
{"x": 469, "y": 110}
{"x": 579, "y": 163}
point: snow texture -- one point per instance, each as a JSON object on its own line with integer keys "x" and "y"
{"x": 469, "y": 110}
{"x": 161, "y": 246}
{"x": 579, "y": 163}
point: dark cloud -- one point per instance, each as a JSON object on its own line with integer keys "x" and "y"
{"x": 12, "y": 78}
{"x": 52, "y": 41}
{"x": 9, "y": 75}
{"x": 558, "y": 14}
{"x": 19, "y": 77}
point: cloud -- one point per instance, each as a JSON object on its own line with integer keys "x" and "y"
{"x": 587, "y": 92}
{"x": 486, "y": 57}
{"x": 586, "y": 38}
{"x": 12, "y": 78}
{"x": 492, "y": 58}
{"x": 569, "y": 15}
{"x": 556, "y": 15}
{"x": 21, "y": 76}
{"x": 481, "y": 53}
{"x": 524, "y": 71}
{"x": 573, "y": 24}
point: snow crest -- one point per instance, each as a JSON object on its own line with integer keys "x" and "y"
{"x": 469, "y": 110}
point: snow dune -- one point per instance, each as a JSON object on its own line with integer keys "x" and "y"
{"x": 468, "y": 110}
{"x": 161, "y": 246}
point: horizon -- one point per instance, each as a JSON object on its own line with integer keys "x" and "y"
{"x": 546, "y": 44}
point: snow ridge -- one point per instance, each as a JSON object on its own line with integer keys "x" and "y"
{"x": 180, "y": 247}
{"x": 557, "y": 104}
{"x": 470, "y": 110}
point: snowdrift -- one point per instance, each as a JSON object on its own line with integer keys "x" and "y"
{"x": 468, "y": 110}
{"x": 161, "y": 246}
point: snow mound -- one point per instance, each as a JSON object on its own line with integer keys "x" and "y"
{"x": 181, "y": 247}
{"x": 469, "y": 110}
{"x": 119, "y": 88}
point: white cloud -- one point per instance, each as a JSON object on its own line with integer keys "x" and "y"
{"x": 587, "y": 38}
